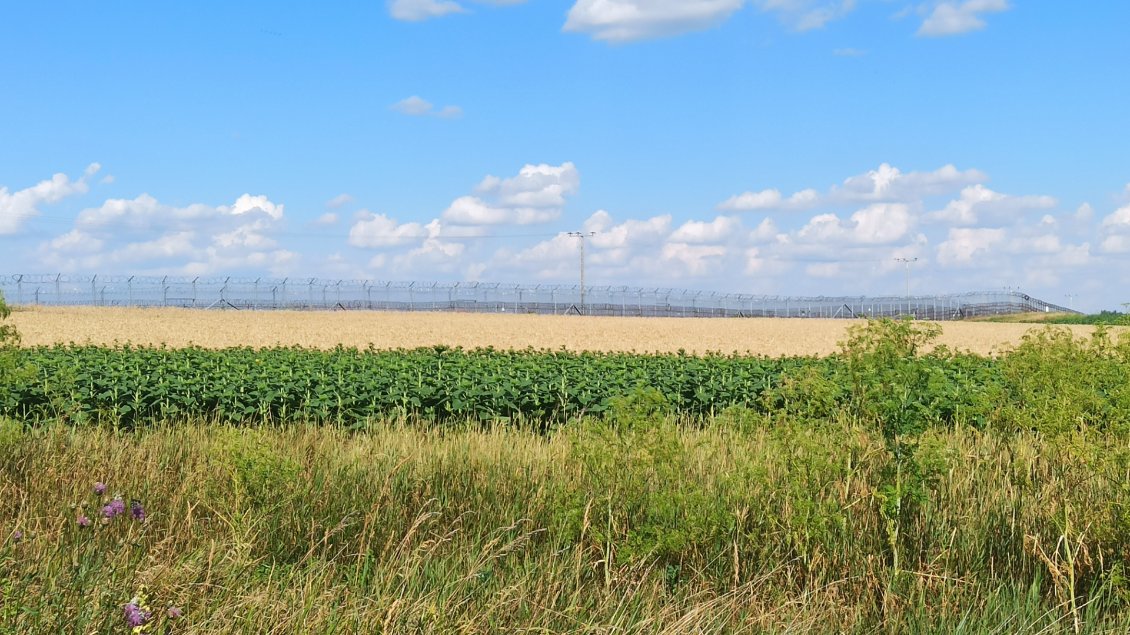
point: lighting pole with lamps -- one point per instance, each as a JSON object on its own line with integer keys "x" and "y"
{"x": 907, "y": 261}
{"x": 582, "y": 236}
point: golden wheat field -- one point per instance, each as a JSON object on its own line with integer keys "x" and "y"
{"x": 219, "y": 329}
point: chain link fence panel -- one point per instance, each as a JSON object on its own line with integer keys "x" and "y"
{"x": 481, "y": 297}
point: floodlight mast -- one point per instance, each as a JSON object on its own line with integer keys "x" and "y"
{"x": 582, "y": 236}
{"x": 907, "y": 261}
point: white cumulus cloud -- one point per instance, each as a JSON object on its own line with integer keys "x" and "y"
{"x": 876, "y": 224}
{"x": 804, "y": 15}
{"x": 626, "y": 20}
{"x": 963, "y": 244}
{"x": 16, "y": 208}
{"x": 417, "y": 10}
{"x": 888, "y": 183}
{"x": 378, "y": 230}
{"x": 978, "y": 201}
{"x": 770, "y": 199}
{"x": 695, "y": 260}
{"x": 721, "y": 229}
{"x": 248, "y": 204}
{"x": 885, "y": 183}
{"x": 1115, "y": 229}
{"x": 339, "y": 201}
{"x": 142, "y": 234}
{"x": 1118, "y": 221}
{"x": 536, "y": 195}
{"x": 958, "y": 17}
{"x": 416, "y": 106}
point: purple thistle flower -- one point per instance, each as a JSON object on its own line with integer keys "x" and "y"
{"x": 114, "y": 507}
{"x": 135, "y": 615}
{"x": 83, "y": 521}
{"x": 17, "y": 536}
{"x": 136, "y": 510}
{"x": 99, "y": 488}
{"x": 174, "y": 612}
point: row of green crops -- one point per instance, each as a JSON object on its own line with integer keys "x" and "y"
{"x": 135, "y": 385}
{"x": 1051, "y": 380}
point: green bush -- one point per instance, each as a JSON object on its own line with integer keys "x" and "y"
{"x": 1057, "y": 383}
{"x": 14, "y": 371}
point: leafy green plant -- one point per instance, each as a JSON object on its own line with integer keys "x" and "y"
{"x": 9, "y": 335}
{"x": 809, "y": 392}
{"x": 257, "y": 470}
{"x": 1057, "y": 383}
{"x": 891, "y": 389}
{"x": 13, "y": 370}
{"x": 135, "y": 386}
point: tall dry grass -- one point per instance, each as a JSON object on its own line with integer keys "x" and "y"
{"x": 635, "y": 526}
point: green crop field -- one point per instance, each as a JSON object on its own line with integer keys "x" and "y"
{"x": 892, "y": 487}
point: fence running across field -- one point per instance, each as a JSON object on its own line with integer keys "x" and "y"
{"x": 481, "y": 297}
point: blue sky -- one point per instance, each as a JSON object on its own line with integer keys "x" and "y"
{"x": 757, "y": 146}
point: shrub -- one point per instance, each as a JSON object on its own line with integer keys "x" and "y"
{"x": 1058, "y": 383}
{"x": 13, "y": 370}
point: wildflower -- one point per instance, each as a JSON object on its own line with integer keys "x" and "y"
{"x": 174, "y": 612}
{"x": 17, "y": 536}
{"x": 136, "y": 510}
{"x": 135, "y": 615}
{"x": 114, "y": 507}
{"x": 137, "y": 612}
{"x": 83, "y": 521}
{"x": 99, "y": 488}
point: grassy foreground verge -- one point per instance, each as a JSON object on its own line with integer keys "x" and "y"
{"x": 629, "y": 524}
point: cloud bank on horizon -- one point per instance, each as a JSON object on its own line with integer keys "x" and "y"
{"x": 844, "y": 234}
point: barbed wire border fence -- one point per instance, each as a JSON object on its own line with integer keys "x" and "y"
{"x": 241, "y": 293}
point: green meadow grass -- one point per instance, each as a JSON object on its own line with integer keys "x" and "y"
{"x": 636, "y": 524}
